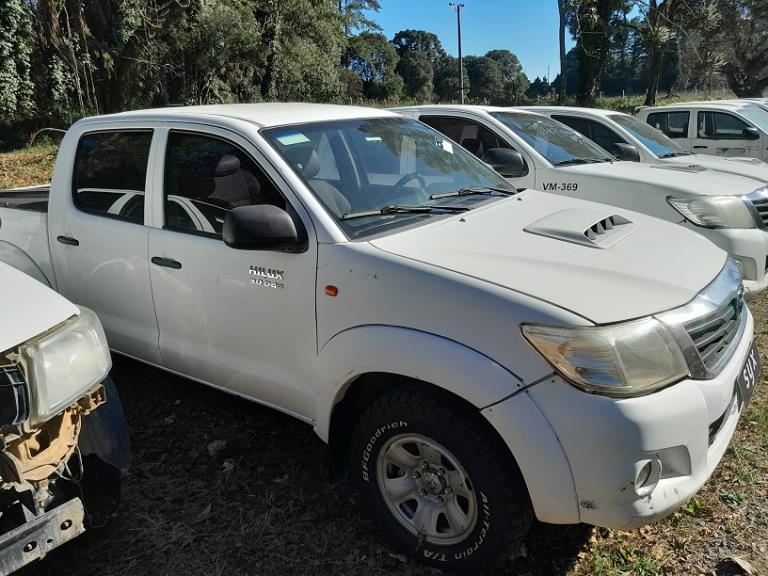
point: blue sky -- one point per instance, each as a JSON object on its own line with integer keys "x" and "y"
{"x": 526, "y": 27}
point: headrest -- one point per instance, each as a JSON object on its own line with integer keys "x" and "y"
{"x": 472, "y": 144}
{"x": 227, "y": 166}
{"x": 305, "y": 159}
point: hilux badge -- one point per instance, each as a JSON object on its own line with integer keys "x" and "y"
{"x": 266, "y": 277}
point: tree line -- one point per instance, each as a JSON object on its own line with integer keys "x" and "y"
{"x": 63, "y": 59}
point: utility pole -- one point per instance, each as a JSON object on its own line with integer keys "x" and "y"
{"x": 458, "y": 7}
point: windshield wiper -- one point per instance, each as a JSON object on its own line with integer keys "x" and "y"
{"x": 675, "y": 154}
{"x": 572, "y": 161}
{"x": 399, "y": 209}
{"x": 472, "y": 190}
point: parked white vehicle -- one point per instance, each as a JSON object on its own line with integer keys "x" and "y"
{"x": 477, "y": 354}
{"x": 628, "y": 138}
{"x": 55, "y": 423}
{"x": 534, "y": 151}
{"x": 720, "y": 127}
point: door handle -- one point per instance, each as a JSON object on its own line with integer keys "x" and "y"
{"x": 166, "y": 262}
{"x": 68, "y": 240}
{"x": 700, "y": 147}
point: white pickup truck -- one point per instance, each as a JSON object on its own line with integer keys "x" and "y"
{"x": 628, "y": 138}
{"x": 477, "y": 354}
{"x": 534, "y": 151}
{"x": 60, "y": 439}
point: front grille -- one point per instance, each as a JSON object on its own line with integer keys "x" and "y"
{"x": 713, "y": 334}
{"x": 759, "y": 200}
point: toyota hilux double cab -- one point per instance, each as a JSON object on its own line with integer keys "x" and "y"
{"x": 628, "y": 138}
{"x": 63, "y": 438}
{"x": 474, "y": 355}
{"x": 731, "y": 128}
{"x": 532, "y": 150}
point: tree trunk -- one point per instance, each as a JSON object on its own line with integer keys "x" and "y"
{"x": 654, "y": 74}
{"x": 561, "y": 89}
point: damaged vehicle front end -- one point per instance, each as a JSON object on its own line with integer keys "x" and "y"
{"x": 63, "y": 437}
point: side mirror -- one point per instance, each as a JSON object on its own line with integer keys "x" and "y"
{"x": 259, "y": 227}
{"x": 509, "y": 163}
{"x": 624, "y": 151}
{"x": 751, "y": 133}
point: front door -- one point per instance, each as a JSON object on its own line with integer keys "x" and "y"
{"x": 241, "y": 320}
{"x": 724, "y": 134}
{"x": 99, "y": 240}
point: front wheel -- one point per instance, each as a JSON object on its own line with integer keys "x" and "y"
{"x": 438, "y": 484}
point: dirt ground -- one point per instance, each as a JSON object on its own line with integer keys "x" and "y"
{"x": 223, "y": 486}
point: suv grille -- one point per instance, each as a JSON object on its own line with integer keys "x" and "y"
{"x": 759, "y": 200}
{"x": 713, "y": 334}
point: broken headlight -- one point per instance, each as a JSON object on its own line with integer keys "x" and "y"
{"x": 65, "y": 363}
{"x": 627, "y": 359}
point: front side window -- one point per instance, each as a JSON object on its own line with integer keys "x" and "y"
{"x": 599, "y": 134}
{"x": 361, "y": 165}
{"x": 556, "y": 142}
{"x": 656, "y": 141}
{"x": 205, "y": 177}
{"x": 110, "y": 174}
{"x": 472, "y": 136}
{"x": 673, "y": 124}
{"x": 721, "y": 126}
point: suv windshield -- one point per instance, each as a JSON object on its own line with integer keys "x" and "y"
{"x": 655, "y": 140}
{"x": 393, "y": 167}
{"x": 555, "y": 141}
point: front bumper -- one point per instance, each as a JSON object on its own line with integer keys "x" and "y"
{"x": 686, "y": 427}
{"x": 34, "y": 539}
{"x": 749, "y": 247}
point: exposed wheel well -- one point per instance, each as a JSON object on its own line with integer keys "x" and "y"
{"x": 360, "y": 394}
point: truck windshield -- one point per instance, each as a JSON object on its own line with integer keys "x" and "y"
{"x": 757, "y": 115}
{"x": 558, "y": 143}
{"x": 655, "y": 140}
{"x": 387, "y": 166}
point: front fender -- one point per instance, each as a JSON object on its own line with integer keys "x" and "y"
{"x": 413, "y": 354}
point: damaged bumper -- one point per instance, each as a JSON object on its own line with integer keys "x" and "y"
{"x": 34, "y": 539}
{"x": 636, "y": 460}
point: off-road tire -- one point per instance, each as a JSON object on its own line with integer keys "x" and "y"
{"x": 504, "y": 512}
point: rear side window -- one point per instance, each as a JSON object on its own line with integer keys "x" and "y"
{"x": 721, "y": 126}
{"x": 110, "y": 174}
{"x": 206, "y": 177}
{"x": 673, "y": 124}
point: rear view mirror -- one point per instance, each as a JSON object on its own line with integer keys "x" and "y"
{"x": 626, "y": 152}
{"x": 260, "y": 227}
{"x": 509, "y": 163}
{"x": 751, "y": 133}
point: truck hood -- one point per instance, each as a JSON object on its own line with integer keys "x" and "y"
{"x": 529, "y": 243}
{"x": 29, "y": 308}
{"x": 747, "y": 167}
{"x": 683, "y": 179}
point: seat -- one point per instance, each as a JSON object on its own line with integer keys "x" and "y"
{"x": 233, "y": 186}
{"x": 307, "y": 162}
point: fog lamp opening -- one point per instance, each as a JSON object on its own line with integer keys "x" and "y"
{"x": 647, "y": 476}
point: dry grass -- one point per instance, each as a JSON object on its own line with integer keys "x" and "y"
{"x": 28, "y": 166}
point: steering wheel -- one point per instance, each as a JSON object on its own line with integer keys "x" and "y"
{"x": 400, "y": 184}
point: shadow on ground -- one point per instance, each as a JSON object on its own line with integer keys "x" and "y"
{"x": 220, "y": 485}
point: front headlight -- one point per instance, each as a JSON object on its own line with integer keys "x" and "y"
{"x": 628, "y": 359}
{"x": 65, "y": 364}
{"x": 715, "y": 211}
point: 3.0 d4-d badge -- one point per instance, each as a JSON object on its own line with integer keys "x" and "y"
{"x": 267, "y": 277}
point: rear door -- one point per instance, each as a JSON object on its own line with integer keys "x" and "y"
{"x": 99, "y": 239}
{"x": 724, "y": 134}
{"x": 676, "y": 124}
{"x": 241, "y": 320}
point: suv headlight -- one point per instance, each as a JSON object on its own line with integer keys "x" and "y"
{"x": 65, "y": 364}
{"x": 715, "y": 211}
{"x": 622, "y": 360}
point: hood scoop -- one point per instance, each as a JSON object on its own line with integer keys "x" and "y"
{"x": 592, "y": 228}
{"x": 745, "y": 160}
{"x": 690, "y": 168}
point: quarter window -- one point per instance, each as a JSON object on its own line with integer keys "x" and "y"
{"x": 110, "y": 174}
{"x": 673, "y": 124}
{"x": 206, "y": 177}
{"x": 721, "y": 126}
